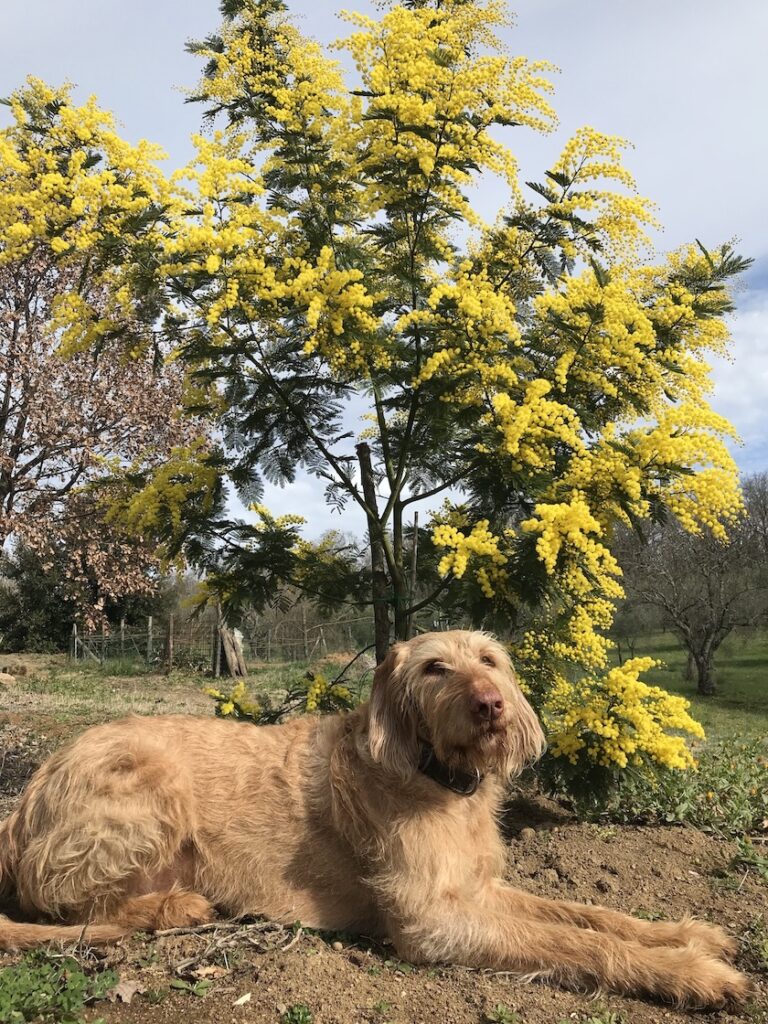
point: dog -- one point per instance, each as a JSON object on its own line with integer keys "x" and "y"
{"x": 382, "y": 821}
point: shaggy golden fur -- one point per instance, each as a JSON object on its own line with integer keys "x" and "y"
{"x": 153, "y": 822}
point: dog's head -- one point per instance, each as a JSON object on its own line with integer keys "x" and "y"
{"x": 457, "y": 691}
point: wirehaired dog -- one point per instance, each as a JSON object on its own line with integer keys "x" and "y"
{"x": 382, "y": 821}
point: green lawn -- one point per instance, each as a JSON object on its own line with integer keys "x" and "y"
{"x": 740, "y": 706}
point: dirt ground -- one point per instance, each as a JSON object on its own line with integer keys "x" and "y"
{"x": 254, "y": 974}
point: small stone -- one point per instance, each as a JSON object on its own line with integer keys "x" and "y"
{"x": 6, "y": 679}
{"x": 527, "y": 834}
{"x": 337, "y": 946}
{"x": 549, "y": 875}
{"x": 603, "y": 885}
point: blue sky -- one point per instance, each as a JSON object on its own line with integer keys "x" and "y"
{"x": 685, "y": 80}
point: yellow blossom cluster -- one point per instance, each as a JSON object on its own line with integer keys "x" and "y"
{"x": 72, "y": 186}
{"x": 479, "y": 545}
{"x": 532, "y": 429}
{"x": 618, "y": 219}
{"x": 186, "y": 473}
{"x": 433, "y": 96}
{"x": 312, "y": 693}
{"x": 320, "y": 688}
{"x": 610, "y": 338}
{"x": 568, "y": 523}
{"x": 68, "y": 179}
{"x": 236, "y": 702}
{"x": 690, "y": 434}
{"x": 616, "y": 721}
{"x": 268, "y": 521}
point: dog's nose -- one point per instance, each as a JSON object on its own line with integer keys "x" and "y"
{"x": 487, "y": 704}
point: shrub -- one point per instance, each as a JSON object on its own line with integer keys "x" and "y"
{"x": 726, "y": 793}
{"x": 605, "y": 729}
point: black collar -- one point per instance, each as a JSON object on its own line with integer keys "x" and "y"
{"x": 456, "y": 779}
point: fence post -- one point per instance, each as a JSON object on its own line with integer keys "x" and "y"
{"x": 74, "y": 641}
{"x": 169, "y": 665}
{"x": 304, "y": 631}
{"x": 269, "y": 645}
{"x": 149, "y": 640}
{"x": 103, "y": 651}
{"x": 122, "y": 636}
{"x": 217, "y": 643}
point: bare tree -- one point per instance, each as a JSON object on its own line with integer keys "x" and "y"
{"x": 704, "y": 588}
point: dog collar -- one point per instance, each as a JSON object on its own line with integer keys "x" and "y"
{"x": 456, "y": 779}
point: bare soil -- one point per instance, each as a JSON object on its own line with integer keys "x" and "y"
{"x": 344, "y": 980}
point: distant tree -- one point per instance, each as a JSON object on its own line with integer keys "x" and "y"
{"x": 634, "y": 619}
{"x": 703, "y": 586}
{"x": 36, "y": 608}
{"x": 756, "y": 501}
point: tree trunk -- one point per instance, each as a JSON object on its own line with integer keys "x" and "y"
{"x": 689, "y": 667}
{"x": 379, "y": 590}
{"x": 705, "y": 675}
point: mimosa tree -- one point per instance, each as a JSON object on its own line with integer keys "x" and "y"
{"x": 534, "y": 380}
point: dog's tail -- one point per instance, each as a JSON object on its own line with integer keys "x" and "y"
{"x": 14, "y": 936}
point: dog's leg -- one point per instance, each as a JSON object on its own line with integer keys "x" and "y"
{"x": 482, "y": 933}
{"x": 176, "y": 908}
{"x": 600, "y": 919}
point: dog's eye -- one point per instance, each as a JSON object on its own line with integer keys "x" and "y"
{"x": 434, "y": 668}
{"x": 488, "y": 660}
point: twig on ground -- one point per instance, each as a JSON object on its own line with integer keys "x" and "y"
{"x": 200, "y": 928}
{"x": 294, "y": 940}
{"x": 232, "y": 933}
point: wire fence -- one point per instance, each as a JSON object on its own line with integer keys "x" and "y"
{"x": 198, "y": 646}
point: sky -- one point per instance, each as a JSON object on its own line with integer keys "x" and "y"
{"x": 685, "y": 80}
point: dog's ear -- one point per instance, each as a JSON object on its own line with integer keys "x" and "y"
{"x": 526, "y": 741}
{"x": 392, "y": 738}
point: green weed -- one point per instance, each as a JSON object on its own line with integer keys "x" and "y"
{"x": 727, "y": 795}
{"x": 502, "y": 1014}
{"x": 749, "y": 858}
{"x": 50, "y": 989}
{"x": 192, "y": 988}
{"x": 399, "y": 966}
{"x": 298, "y": 1014}
{"x": 755, "y": 943}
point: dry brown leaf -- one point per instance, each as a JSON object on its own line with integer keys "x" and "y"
{"x": 124, "y": 991}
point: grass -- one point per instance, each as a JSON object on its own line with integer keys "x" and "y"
{"x": 739, "y": 708}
